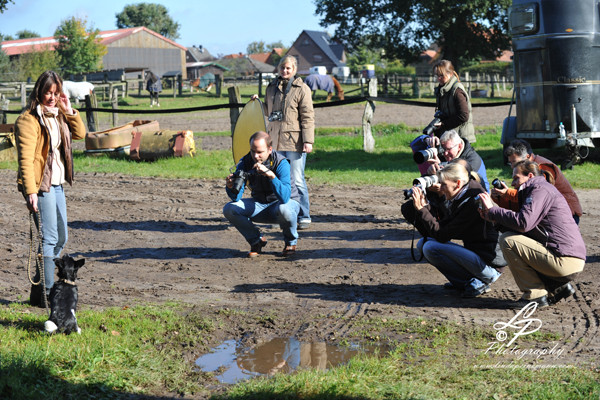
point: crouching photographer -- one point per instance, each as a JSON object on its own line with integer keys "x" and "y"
{"x": 472, "y": 267}
{"x": 274, "y": 197}
{"x": 452, "y": 147}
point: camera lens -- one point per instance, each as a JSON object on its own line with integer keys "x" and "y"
{"x": 424, "y": 155}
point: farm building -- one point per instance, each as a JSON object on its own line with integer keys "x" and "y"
{"x": 272, "y": 57}
{"x": 200, "y": 64}
{"x": 129, "y": 50}
{"x": 314, "y": 48}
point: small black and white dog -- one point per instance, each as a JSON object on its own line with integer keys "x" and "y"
{"x": 63, "y": 297}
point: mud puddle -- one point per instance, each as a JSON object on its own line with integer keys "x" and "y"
{"x": 234, "y": 362}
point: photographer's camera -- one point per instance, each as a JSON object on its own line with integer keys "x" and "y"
{"x": 422, "y": 183}
{"x": 239, "y": 180}
{"x": 276, "y": 116}
{"x": 498, "y": 184}
{"x": 437, "y": 118}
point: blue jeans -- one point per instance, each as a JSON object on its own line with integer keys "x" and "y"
{"x": 462, "y": 267}
{"x": 243, "y": 213}
{"x": 52, "y": 206}
{"x": 297, "y": 164}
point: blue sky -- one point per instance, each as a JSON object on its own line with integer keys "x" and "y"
{"x": 222, "y": 27}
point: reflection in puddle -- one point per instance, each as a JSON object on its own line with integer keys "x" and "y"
{"x": 236, "y": 362}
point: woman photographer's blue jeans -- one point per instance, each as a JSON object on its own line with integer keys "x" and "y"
{"x": 243, "y": 213}
{"x": 462, "y": 267}
{"x": 297, "y": 164}
{"x": 53, "y": 214}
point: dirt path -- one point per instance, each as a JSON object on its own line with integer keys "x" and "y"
{"x": 344, "y": 116}
{"x": 157, "y": 240}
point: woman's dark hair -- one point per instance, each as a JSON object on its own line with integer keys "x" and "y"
{"x": 526, "y": 167}
{"x": 42, "y": 86}
{"x": 444, "y": 67}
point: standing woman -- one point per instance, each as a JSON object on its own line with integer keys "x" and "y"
{"x": 472, "y": 267}
{"x": 289, "y": 107}
{"x": 543, "y": 245}
{"x": 43, "y": 134}
{"x": 453, "y": 102}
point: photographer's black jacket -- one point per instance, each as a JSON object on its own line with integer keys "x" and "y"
{"x": 463, "y": 222}
{"x": 265, "y": 190}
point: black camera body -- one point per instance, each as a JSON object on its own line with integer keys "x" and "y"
{"x": 497, "y": 183}
{"x": 239, "y": 180}
{"x": 276, "y": 116}
{"x": 240, "y": 176}
{"x": 437, "y": 118}
{"x": 422, "y": 183}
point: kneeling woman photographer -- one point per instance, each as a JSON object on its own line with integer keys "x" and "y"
{"x": 543, "y": 245}
{"x": 467, "y": 267}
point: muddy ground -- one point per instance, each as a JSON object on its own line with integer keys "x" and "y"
{"x": 156, "y": 240}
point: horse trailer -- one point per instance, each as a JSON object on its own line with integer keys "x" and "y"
{"x": 556, "y": 46}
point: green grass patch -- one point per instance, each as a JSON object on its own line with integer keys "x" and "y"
{"x": 338, "y": 158}
{"x": 128, "y": 350}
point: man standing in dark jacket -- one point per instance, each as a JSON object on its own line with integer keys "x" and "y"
{"x": 274, "y": 196}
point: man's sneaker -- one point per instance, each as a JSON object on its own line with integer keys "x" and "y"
{"x": 561, "y": 292}
{"x": 289, "y": 250}
{"x": 471, "y": 292}
{"x": 541, "y": 302}
{"x": 256, "y": 248}
{"x": 304, "y": 224}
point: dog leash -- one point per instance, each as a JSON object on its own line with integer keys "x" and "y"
{"x": 34, "y": 219}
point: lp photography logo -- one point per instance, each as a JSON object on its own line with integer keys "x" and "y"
{"x": 506, "y": 344}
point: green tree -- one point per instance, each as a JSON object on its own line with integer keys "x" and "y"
{"x": 4, "y": 4}
{"x": 79, "y": 50}
{"x": 260, "y": 47}
{"x": 256, "y": 47}
{"x": 6, "y": 37}
{"x": 152, "y": 16}
{"x": 5, "y": 67}
{"x": 467, "y": 30}
{"x": 25, "y": 34}
{"x": 33, "y": 63}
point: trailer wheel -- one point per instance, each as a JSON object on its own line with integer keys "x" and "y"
{"x": 509, "y": 133}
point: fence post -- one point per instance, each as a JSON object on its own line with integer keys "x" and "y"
{"x": 493, "y": 85}
{"x": 115, "y": 105}
{"x": 23, "y": 95}
{"x": 415, "y": 88}
{"x": 218, "y": 84}
{"x": 385, "y": 84}
{"x": 91, "y": 116}
{"x": 468, "y": 79}
{"x": 3, "y": 107}
{"x": 234, "y": 112}
{"x": 260, "y": 78}
{"x": 140, "y": 84}
{"x": 368, "y": 141}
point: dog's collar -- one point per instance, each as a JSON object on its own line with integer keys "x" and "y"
{"x": 68, "y": 282}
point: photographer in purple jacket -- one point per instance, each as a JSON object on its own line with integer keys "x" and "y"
{"x": 542, "y": 243}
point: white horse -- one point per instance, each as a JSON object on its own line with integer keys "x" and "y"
{"x": 77, "y": 90}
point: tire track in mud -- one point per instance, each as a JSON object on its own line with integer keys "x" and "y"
{"x": 585, "y": 321}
